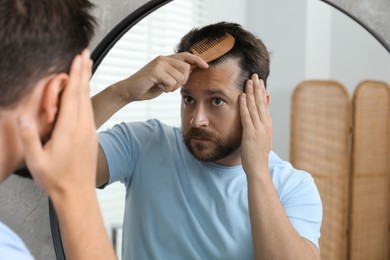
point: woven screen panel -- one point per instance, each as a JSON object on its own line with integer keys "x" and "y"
{"x": 370, "y": 172}
{"x": 320, "y": 126}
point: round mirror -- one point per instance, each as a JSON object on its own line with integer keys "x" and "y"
{"x": 307, "y": 40}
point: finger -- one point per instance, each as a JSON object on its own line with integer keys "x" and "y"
{"x": 244, "y": 112}
{"x": 172, "y": 79}
{"x": 251, "y": 103}
{"x": 71, "y": 94}
{"x": 192, "y": 59}
{"x": 261, "y": 88}
{"x": 75, "y": 106}
{"x": 172, "y": 75}
{"x": 261, "y": 99}
{"x": 258, "y": 95}
{"x": 86, "y": 73}
{"x": 32, "y": 146}
{"x": 72, "y": 90}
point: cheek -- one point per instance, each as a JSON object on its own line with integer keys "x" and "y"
{"x": 184, "y": 115}
{"x": 228, "y": 121}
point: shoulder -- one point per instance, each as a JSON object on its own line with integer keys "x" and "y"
{"x": 137, "y": 129}
{"x": 148, "y": 126}
{"x": 289, "y": 180}
{"x": 130, "y": 137}
{"x": 284, "y": 169}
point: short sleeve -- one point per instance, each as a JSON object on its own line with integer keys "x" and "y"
{"x": 303, "y": 206}
{"x": 122, "y": 146}
{"x": 11, "y": 246}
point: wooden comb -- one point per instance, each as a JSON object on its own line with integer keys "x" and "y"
{"x": 210, "y": 50}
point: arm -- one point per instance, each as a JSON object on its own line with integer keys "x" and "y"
{"x": 65, "y": 167}
{"x": 273, "y": 235}
{"x": 163, "y": 74}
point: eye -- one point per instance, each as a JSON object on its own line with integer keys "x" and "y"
{"x": 188, "y": 100}
{"x": 217, "y": 102}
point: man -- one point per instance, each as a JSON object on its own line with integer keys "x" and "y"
{"x": 45, "y": 99}
{"x": 212, "y": 189}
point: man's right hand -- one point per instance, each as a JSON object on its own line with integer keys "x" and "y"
{"x": 163, "y": 74}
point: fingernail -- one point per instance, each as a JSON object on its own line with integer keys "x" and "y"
{"x": 77, "y": 61}
{"x": 86, "y": 54}
{"x": 250, "y": 84}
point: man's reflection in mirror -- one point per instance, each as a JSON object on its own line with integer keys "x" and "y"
{"x": 213, "y": 188}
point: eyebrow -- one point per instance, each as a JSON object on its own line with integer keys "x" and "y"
{"x": 209, "y": 92}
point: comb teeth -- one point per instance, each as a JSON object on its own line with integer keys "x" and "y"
{"x": 206, "y": 44}
{"x": 210, "y": 50}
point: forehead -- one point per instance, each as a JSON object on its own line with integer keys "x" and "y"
{"x": 220, "y": 77}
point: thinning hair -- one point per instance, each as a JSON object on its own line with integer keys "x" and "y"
{"x": 250, "y": 51}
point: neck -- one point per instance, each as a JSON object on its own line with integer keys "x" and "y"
{"x": 232, "y": 159}
{"x": 10, "y": 151}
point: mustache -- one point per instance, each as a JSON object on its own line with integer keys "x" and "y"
{"x": 202, "y": 133}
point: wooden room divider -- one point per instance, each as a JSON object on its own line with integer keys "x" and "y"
{"x": 320, "y": 124}
{"x": 346, "y": 149}
{"x": 369, "y": 206}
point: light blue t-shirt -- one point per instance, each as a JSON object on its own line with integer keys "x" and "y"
{"x": 11, "y": 246}
{"x": 178, "y": 207}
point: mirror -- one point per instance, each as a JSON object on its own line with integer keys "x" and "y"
{"x": 308, "y": 40}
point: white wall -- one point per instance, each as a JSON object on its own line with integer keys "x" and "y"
{"x": 318, "y": 40}
{"x": 225, "y": 10}
{"x": 281, "y": 26}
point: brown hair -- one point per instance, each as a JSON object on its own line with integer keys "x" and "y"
{"x": 38, "y": 38}
{"x": 250, "y": 51}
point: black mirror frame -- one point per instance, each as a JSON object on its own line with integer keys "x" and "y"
{"x": 109, "y": 41}
{"x": 361, "y": 23}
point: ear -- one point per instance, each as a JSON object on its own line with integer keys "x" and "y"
{"x": 51, "y": 96}
{"x": 268, "y": 98}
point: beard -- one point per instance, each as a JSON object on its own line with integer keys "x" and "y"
{"x": 215, "y": 148}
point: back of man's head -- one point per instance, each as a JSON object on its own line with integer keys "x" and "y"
{"x": 38, "y": 38}
{"x": 250, "y": 51}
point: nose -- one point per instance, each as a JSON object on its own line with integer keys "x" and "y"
{"x": 199, "y": 118}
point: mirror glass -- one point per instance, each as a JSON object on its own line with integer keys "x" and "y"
{"x": 307, "y": 39}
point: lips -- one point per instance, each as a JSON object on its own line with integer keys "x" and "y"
{"x": 199, "y": 138}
